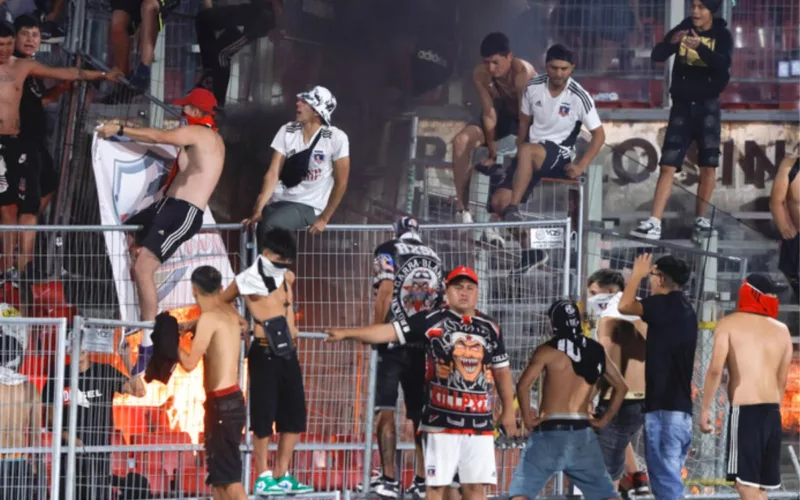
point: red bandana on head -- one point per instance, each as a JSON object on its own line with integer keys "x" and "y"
{"x": 752, "y": 300}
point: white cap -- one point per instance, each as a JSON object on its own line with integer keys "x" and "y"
{"x": 321, "y": 100}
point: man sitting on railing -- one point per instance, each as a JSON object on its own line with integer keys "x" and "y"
{"x": 19, "y": 179}
{"x": 784, "y": 203}
{"x": 178, "y": 215}
{"x": 277, "y": 395}
{"x": 307, "y": 178}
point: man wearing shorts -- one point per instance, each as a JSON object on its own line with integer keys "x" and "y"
{"x": 467, "y": 357}
{"x": 408, "y": 280}
{"x": 178, "y": 215}
{"x": 703, "y": 49}
{"x": 220, "y": 38}
{"x": 500, "y": 81}
{"x": 619, "y": 336}
{"x": 308, "y": 175}
{"x": 558, "y": 106}
{"x": 14, "y": 149}
{"x": 784, "y": 203}
{"x": 757, "y": 350}
{"x": 216, "y": 341}
{"x": 561, "y": 437}
{"x": 669, "y": 367}
{"x": 277, "y": 396}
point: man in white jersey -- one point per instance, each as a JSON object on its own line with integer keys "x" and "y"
{"x": 555, "y": 107}
{"x": 307, "y": 178}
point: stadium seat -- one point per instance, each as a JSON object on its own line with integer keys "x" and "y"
{"x": 192, "y": 481}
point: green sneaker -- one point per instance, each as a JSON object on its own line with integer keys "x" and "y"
{"x": 291, "y": 485}
{"x": 266, "y": 486}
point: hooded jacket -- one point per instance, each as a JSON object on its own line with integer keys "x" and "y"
{"x": 702, "y": 73}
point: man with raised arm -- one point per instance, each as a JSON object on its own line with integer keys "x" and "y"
{"x": 757, "y": 350}
{"x": 467, "y": 356}
{"x": 178, "y": 215}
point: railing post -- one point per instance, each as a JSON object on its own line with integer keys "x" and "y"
{"x": 58, "y": 409}
{"x": 567, "y": 246}
{"x": 74, "y": 373}
{"x": 412, "y": 168}
{"x": 370, "y": 417}
{"x": 579, "y": 243}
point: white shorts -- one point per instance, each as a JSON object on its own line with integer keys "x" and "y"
{"x": 471, "y": 456}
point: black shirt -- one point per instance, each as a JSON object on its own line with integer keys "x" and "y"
{"x": 701, "y": 73}
{"x": 33, "y": 119}
{"x": 96, "y": 389}
{"x": 671, "y": 343}
{"x": 462, "y": 352}
{"x": 416, "y": 275}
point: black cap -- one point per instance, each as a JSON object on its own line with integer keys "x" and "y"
{"x": 764, "y": 284}
{"x": 565, "y": 318}
{"x": 674, "y": 268}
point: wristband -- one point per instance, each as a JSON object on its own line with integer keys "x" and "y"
{"x": 121, "y": 129}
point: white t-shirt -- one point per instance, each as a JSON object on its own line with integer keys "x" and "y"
{"x": 558, "y": 119}
{"x": 612, "y": 310}
{"x": 316, "y": 188}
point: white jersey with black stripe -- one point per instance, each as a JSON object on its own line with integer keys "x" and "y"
{"x": 558, "y": 119}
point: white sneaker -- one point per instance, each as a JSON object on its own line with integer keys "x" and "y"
{"x": 493, "y": 237}
{"x": 463, "y": 217}
{"x": 702, "y": 225}
{"x": 648, "y": 230}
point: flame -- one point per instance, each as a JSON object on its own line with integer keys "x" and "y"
{"x": 790, "y": 407}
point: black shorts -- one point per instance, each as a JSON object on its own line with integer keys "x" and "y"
{"x": 134, "y": 9}
{"x": 38, "y": 179}
{"x": 401, "y": 366}
{"x": 556, "y": 158}
{"x": 223, "y": 424}
{"x": 16, "y": 479}
{"x": 616, "y": 436}
{"x": 276, "y": 391}
{"x": 12, "y": 162}
{"x": 507, "y": 122}
{"x": 789, "y": 263}
{"x": 167, "y": 224}
{"x": 754, "y": 445}
{"x": 692, "y": 121}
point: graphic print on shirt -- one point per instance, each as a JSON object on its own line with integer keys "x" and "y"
{"x": 690, "y": 57}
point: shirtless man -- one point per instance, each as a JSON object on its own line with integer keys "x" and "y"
{"x": 784, "y": 203}
{"x": 20, "y": 423}
{"x": 276, "y": 381}
{"x": 757, "y": 349}
{"x": 216, "y": 341}
{"x": 13, "y": 149}
{"x": 573, "y": 364}
{"x": 501, "y": 80}
{"x": 178, "y": 216}
{"x": 619, "y": 336}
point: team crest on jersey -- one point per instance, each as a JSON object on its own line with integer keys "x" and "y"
{"x": 318, "y": 157}
{"x": 417, "y": 285}
{"x": 563, "y": 109}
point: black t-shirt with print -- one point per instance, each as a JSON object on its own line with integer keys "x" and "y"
{"x": 671, "y": 343}
{"x": 462, "y": 352}
{"x": 96, "y": 389}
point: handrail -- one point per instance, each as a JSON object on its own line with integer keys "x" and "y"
{"x": 664, "y": 244}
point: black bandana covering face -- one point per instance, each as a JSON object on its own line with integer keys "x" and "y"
{"x": 587, "y": 356}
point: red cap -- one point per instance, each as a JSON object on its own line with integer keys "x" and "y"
{"x": 462, "y": 272}
{"x": 201, "y": 99}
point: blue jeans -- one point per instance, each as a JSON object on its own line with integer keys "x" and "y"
{"x": 668, "y": 435}
{"x": 576, "y": 453}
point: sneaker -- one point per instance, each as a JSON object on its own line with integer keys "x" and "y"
{"x": 266, "y": 485}
{"x": 641, "y": 486}
{"x": 531, "y": 260}
{"x": 374, "y": 480}
{"x": 648, "y": 230}
{"x": 141, "y": 78}
{"x": 388, "y": 488}
{"x": 511, "y": 214}
{"x": 493, "y": 237}
{"x": 51, "y": 33}
{"x": 463, "y": 217}
{"x": 417, "y": 489}
{"x": 290, "y": 484}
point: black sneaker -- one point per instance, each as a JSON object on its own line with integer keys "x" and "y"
{"x": 51, "y": 33}
{"x": 641, "y": 486}
{"x": 511, "y": 214}
{"x": 388, "y": 488}
{"x": 530, "y": 260}
{"x": 374, "y": 480}
{"x": 416, "y": 490}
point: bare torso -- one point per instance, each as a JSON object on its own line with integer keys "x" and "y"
{"x": 506, "y": 89}
{"x": 200, "y": 167}
{"x": 221, "y": 361}
{"x": 757, "y": 346}
{"x": 793, "y": 201}
{"x": 626, "y": 349}
{"x": 12, "y": 78}
{"x": 16, "y": 415}
{"x": 564, "y": 391}
{"x": 277, "y": 303}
